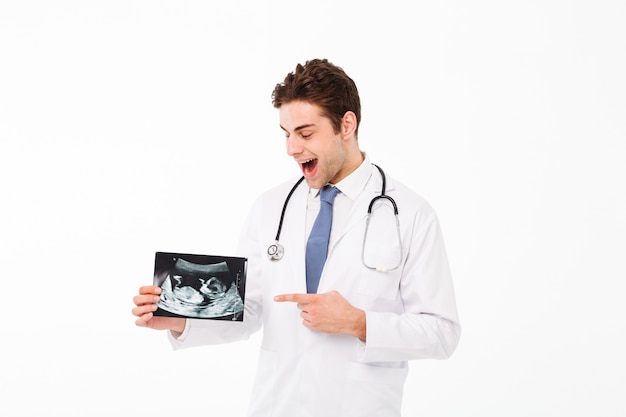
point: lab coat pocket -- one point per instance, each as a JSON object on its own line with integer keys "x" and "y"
{"x": 374, "y": 391}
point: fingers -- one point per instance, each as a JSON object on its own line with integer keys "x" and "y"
{"x": 143, "y": 310}
{"x": 141, "y": 300}
{"x": 295, "y": 298}
{"x": 150, "y": 289}
{"x": 147, "y": 294}
{"x": 143, "y": 320}
{"x": 145, "y": 304}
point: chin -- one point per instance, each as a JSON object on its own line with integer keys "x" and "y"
{"x": 314, "y": 183}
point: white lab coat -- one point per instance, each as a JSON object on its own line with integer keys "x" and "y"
{"x": 410, "y": 312}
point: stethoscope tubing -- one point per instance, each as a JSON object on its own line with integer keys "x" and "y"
{"x": 275, "y": 251}
{"x": 282, "y": 214}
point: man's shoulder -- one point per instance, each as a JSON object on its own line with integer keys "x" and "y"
{"x": 407, "y": 196}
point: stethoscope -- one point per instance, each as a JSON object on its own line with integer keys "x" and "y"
{"x": 275, "y": 251}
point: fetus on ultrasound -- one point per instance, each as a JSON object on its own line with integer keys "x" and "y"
{"x": 201, "y": 291}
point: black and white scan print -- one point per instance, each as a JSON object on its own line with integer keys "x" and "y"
{"x": 200, "y": 286}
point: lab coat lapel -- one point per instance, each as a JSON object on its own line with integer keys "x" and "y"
{"x": 294, "y": 235}
{"x": 357, "y": 217}
{"x": 358, "y": 213}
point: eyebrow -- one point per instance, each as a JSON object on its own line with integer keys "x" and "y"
{"x": 299, "y": 127}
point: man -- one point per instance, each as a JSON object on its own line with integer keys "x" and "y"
{"x": 385, "y": 295}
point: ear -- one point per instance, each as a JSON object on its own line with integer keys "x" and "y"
{"x": 348, "y": 124}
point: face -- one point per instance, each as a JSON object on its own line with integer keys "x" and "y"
{"x": 321, "y": 153}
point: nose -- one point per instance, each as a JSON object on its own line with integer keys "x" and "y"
{"x": 294, "y": 146}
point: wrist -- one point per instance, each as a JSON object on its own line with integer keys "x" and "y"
{"x": 360, "y": 326}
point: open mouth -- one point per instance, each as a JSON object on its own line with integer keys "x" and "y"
{"x": 308, "y": 167}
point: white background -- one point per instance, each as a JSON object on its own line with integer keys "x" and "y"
{"x": 128, "y": 127}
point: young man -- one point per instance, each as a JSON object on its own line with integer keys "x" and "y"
{"x": 337, "y": 344}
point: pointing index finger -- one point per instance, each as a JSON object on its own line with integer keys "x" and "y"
{"x": 295, "y": 298}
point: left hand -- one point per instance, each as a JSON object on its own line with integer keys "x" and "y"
{"x": 328, "y": 313}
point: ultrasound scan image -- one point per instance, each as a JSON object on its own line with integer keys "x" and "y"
{"x": 200, "y": 286}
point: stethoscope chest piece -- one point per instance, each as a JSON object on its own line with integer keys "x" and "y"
{"x": 275, "y": 251}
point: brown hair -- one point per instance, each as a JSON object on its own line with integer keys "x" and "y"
{"x": 324, "y": 84}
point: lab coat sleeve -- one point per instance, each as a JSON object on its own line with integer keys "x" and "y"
{"x": 428, "y": 326}
{"x": 200, "y": 332}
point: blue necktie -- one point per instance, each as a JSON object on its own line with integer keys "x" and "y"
{"x": 317, "y": 245}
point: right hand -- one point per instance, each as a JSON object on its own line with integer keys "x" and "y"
{"x": 145, "y": 304}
